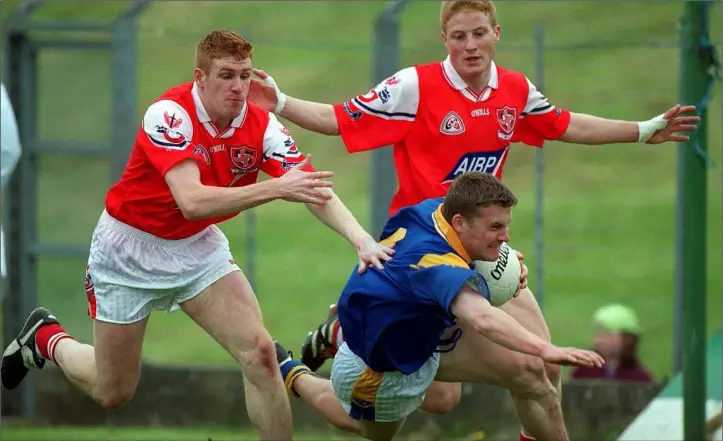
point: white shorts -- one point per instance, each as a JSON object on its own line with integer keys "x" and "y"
{"x": 131, "y": 273}
{"x": 383, "y": 397}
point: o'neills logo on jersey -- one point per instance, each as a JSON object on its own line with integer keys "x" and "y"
{"x": 452, "y": 124}
{"x": 243, "y": 159}
{"x": 506, "y": 117}
{"x": 485, "y": 162}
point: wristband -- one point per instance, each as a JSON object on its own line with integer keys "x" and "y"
{"x": 646, "y": 129}
{"x": 280, "y": 96}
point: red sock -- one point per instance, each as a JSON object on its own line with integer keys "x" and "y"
{"x": 47, "y": 338}
{"x": 524, "y": 437}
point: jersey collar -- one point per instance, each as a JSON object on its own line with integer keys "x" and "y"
{"x": 458, "y": 83}
{"x": 203, "y": 115}
{"x": 445, "y": 230}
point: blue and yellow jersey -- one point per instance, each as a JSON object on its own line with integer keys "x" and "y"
{"x": 393, "y": 318}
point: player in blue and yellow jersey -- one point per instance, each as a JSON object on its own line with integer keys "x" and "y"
{"x": 394, "y": 318}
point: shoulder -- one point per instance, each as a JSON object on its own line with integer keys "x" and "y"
{"x": 512, "y": 79}
{"x": 395, "y": 96}
{"x": 176, "y": 103}
{"x": 168, "y": 114}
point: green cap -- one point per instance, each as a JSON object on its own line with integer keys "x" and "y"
{"x": 617, "y": 318}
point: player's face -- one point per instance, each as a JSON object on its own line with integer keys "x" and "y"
{"x": 483, "y": 235}
{"x": 470, "y": 40}
{"x": 224, "y": 88}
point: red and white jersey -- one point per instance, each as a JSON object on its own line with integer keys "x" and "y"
{"x": 441, "y": 128}
{"x": 177, "y": 127}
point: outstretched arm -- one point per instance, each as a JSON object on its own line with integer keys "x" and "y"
{"x": 470, "y": 306}
{"x": 380, "y": 117}
{"x": 199, "y": 201}
{"x": 338, "y": 217}
{"x": 593, "y": 130}
{"x": 308, "y": 115}
{"x": 541, "y": 121}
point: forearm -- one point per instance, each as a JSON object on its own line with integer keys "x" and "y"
{"x": 316, "y": 117}
{"x": 504, "y": 330}
{"x": 337, "y": 216}
{"x": 592, "y": 130}
{"x": 208, "y": 201}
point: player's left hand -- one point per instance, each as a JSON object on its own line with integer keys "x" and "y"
{"x": 373, "y": 253}
{"x": 264, "y": 92}
{"x": 523, "y": 274}
{"x": 676, "y": 124}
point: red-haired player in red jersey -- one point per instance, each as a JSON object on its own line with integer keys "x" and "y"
{"x": 194, "y": 164}
{"x": 445, "y": 118}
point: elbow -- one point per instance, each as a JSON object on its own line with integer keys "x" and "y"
{"x": 331, "y": 129}
{"x": 191, "y": 208}
{"x": 328, "y": 125}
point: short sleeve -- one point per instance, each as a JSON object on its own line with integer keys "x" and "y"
{"x": 381, "y": 117}
{"x": 438, "y": 279}
{"x": 540, "y": 120}
{"x": 166, "y": 136}
{"x": 280, "y": 151}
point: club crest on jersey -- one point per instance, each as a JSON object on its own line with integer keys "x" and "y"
{"x": 452, "y": 124}
{"x": 485, "y": 162}
{"x": 243, "y": 159}
{"x": 506, "y": 117}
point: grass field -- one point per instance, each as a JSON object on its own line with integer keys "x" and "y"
{"x": 23, "y": 433}
{"x": 609, "y": 211}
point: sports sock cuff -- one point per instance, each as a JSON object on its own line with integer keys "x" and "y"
{"x": 47, "y": 338}
{"x": 291, "y": 370}
{"x": 524, "y": 437}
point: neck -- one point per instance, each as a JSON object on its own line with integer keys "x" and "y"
{"x": 478, "y": 82}
{"x": 219, "y": 122}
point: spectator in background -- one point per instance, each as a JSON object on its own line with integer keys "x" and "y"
{"x": 617, "y": 334}
{"x": 11, "y": 150}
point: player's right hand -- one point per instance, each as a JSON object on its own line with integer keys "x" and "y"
{"x": 572, "y": 357}
{"x": 298, "y": 185}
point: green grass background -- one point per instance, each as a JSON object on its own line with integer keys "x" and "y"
{"x": 609, "y": 210}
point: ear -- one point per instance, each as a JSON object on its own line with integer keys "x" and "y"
{"x": 497, "y": 34}
{"x": 458, "y": 222}
{"x": 199, "y": 75}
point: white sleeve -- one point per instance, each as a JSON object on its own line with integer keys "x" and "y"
{"x": 537, "y": 103}
{"x": 397, "y": 97}
{"x": 9, "y": 138}
{"x": 168, "y": 125}
{"x": 280, "y": 152}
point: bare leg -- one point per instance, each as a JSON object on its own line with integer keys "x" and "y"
{"x": 318, "y": 393}
{"x": 108, "y": 372}
{"x": 477, "y": 359}
{"x": 442, "y": 398}
{"x": 527, "y": 312}
{"x": 229, "y": 312}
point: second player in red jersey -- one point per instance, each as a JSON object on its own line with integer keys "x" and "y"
{"x": 441, "y": 128}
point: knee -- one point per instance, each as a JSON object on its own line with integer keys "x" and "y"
{"x": 528, "y": 377}
{"x": 113, "y": 398}
{"x": 441, "y": 401}
{"x": 259, "y": 359}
